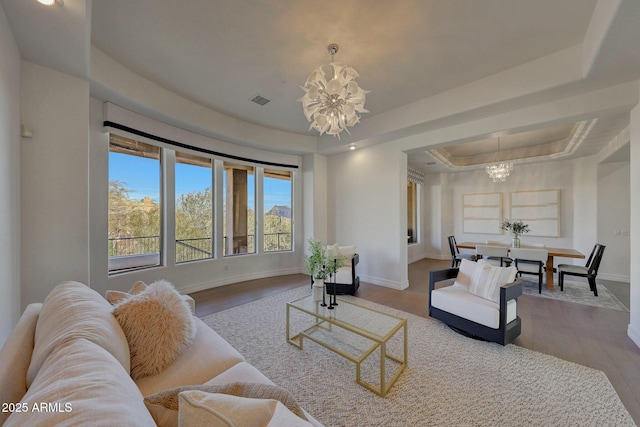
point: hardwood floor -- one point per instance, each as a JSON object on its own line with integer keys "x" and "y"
{"x": 591, "y": 336}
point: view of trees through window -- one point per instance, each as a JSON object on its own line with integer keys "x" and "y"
{"x": 194, "y": 207}
{"x": 134, "y": 204}
{"x": 135, "y": 219}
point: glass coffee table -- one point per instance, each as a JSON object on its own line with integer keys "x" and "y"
{"x": 352, "y": 331}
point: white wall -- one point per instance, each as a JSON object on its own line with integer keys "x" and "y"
{"x": 314, "y": 176}
{"x": 187, "y": 277}
{"x": 585, "y": 203}
{"x": 614, "y": 220}
{"x": 9, "y": 179}
{"x": 367, "y": 191}
{"x": 634, "y": 249}
{"x": 54, "y": 179}
{"x": 524, "y": 177}
{"x": 113, "y": 82}
{"x": 64, "y": 195}
{"x": 586, "y": 197}
{"x": 431, "y": 215}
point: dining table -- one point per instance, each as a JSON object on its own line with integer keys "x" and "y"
{"x": 551, "y": 254}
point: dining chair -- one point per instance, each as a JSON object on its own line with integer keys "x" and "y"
{"x": 496, "y": 255}
{"x": 537, "y": 245}
{"x": 530, "y": 261}
{"x": 590, "y": 269}
{"x": 456, "y": 256}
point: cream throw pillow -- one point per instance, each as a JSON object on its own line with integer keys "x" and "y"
{"x": 348, "y": 252}
{"x": 169, "y": 398}
{"x": 198, "y": 408}
{"x": 488, "y": 280}
{"x": 157, "y": 323}
{"x": 466, "y": 273}
{"x": 116, "y": 296}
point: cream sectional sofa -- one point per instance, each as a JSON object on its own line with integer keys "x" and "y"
{"x": 67, "y": 363}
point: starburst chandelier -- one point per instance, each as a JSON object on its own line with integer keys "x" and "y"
{"x": 500, "y": 171}
{"x": 332, "y": 106}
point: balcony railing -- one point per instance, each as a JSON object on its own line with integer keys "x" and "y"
{"x": 126, "y": 253}
{"x": 274, "y": 242}
{"x": 122, "y": 246}
{"x": 194, "y": 249}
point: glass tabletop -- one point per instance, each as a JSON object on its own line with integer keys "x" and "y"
{"x": 364, "y": 319}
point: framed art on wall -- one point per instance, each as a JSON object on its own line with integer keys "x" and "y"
{"x": 538, "y": 208}
{"x": 482, "y": 213}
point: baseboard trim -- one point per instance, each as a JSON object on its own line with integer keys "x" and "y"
{"x": 196, "y": 287}
{"x": 614, "y": 277}
{"x": 384, "y": 282}
{"x": 416, "y": 258}
{"x": 634, "y": 334}
{"x": 436, "y": 255}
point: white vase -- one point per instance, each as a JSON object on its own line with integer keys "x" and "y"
{"x": 515, "y": 243}
{"x": 317, "y": 289}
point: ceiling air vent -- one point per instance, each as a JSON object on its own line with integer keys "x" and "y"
{"x": 259, "y": 99}
{"x": 431, "y": 163}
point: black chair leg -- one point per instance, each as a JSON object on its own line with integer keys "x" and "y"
{"x": 561, "y": 281}
{"x": 592, "y": 285}
{"x": 539, "y": 284}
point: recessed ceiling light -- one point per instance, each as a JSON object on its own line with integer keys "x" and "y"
{"x": 352, "y": 147}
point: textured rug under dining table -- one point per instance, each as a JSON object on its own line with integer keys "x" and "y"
{"x": 576, "y": 292}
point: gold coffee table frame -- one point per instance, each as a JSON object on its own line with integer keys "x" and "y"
{"x": 376, "y": 327}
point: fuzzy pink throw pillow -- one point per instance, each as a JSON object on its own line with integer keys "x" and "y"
{"x": 157, "y": 323}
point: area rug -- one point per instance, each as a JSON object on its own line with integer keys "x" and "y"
{"x": 576, "y": 292}
{"x": 450, "y": 380}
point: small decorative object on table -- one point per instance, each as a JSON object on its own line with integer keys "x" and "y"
{"x": 321, "y": 264}
{"x": 516, "y": 228}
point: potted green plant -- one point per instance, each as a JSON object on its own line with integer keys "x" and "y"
{"x": 321, "y": 263}
{"x": 516, "y": 228}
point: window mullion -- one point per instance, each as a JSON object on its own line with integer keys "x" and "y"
{"x": 169, "y": 205}
{"x": 259, "y": 211}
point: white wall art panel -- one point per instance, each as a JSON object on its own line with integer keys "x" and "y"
{"x": 482, "y": 213}
{"x": 538, "y": 208}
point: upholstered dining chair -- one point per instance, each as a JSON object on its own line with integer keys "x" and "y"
{"x": 496, "y": 255}
{"x": 590, "y": 269}
{"x": 456, "y": 256}
{"x": 530, "y": 261}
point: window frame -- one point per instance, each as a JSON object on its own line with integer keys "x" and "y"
{"x": 132, "y": 262}
{"x": 168, "y": 203}
{"x": 291, "y": 212}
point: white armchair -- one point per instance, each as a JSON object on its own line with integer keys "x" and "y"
{"x": 346, "y": 280}
{"x": 481, "y": 303}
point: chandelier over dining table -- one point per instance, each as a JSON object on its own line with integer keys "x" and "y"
{"x": 499, "y": 172}
{"x": 335, "y": 104}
